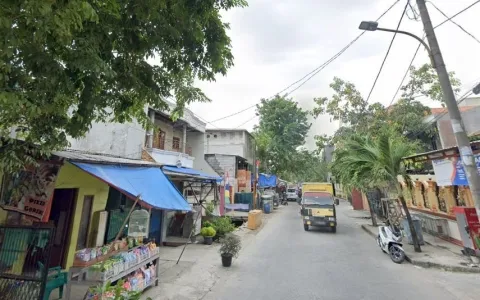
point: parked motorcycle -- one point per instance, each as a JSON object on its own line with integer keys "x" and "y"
{"x": 389, "y": 239}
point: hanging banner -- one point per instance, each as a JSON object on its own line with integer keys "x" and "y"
{"x": 30, "y": 191}
{"x": 451, "y": 171}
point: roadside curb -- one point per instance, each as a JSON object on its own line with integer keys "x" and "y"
{"x": 431, "y": 265}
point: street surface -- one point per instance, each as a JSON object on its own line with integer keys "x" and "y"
{"x": 286, "y": 262}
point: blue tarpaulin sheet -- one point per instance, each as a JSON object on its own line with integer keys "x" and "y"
{"x": 193, "y": 172}
{"x": 266, "y": 180}
{"x": 154, "y": 188}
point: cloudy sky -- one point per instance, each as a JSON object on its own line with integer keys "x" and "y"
{"x": 276, "y": 42}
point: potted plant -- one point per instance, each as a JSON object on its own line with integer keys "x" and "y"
{"x": 230, "y": 247}
{"x": 208, "y": 233}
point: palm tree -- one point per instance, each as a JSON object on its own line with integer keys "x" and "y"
{"x": 374, "y": 162}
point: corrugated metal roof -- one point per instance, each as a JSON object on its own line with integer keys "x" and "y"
{"x": 81, "y": 156}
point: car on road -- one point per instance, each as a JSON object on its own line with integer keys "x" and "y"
{"x": 318, "y": 209}
{"x": 292, "y": 194}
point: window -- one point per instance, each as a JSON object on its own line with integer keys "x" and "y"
{"x": 176, "y": 143}
{"x": 159, "y": 140}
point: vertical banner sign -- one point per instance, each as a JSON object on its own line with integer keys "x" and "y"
{"x": 30, "y": 191}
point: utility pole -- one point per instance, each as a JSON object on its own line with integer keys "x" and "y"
{"x": 463, "y": 143}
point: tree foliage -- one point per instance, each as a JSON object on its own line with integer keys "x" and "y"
{"x": 423, "y": 81}
{"x": 66, "y": 64}
{"x": 283, "y": 127}
{"x": 405, "y": 117}
{"x": 372, "y": 162}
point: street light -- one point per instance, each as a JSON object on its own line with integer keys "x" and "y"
{"x": 373, "y": 26}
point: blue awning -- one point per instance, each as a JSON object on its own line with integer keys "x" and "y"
{"x": 154, "y": 188}
{"x": 192, "y": 172}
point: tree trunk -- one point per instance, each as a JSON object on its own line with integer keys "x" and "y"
{"x": 416, "y": 242}
{"x": 373, "y": 215}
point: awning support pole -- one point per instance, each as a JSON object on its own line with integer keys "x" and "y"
{"x": 190, "y": 235}
{"x": 125, "y": 222}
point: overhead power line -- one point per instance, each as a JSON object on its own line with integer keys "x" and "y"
{"x": 436, "y": 118}
{"x": 325, "y": 64}
{"x": 246, "y": 122}
{"x": 311, "y": 74}
{"x": 458, "y": 25}
{"x": 388, "y": 50}
{"x": 406, "y": 73}
{"x": 419, "y": 45}
{"x": 460, "y": 12}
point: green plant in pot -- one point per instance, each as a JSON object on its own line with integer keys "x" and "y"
{"x": 230, "y": 247}
{"x": 208, "y": 233}
{"x": 223, "y": 225}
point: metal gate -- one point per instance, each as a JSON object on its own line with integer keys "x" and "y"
{"x": 24, "y": 260}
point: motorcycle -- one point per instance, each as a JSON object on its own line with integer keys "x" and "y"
{"x": 389, "y": 239}
{"x": 284, "y": 200}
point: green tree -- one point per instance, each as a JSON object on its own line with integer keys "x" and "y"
{"x": 282, "y": 128}
{"x": 306, "y": 166}
{"x": 423, "y": 81}
{"x": 66, "y": 64}
{"x": 406, "y": 116}
{"x": 367, "y": 162}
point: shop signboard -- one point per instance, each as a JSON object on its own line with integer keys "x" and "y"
{"x": 29, "y": 191}
{"x": 450, "y": 171}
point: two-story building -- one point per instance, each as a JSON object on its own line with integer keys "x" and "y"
{"x": 230, "y": 150}
{"x": 177, "y": 145}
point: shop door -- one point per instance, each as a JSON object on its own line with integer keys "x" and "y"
{"x": 155, "y": 230}
{"x": 61, "y": 216}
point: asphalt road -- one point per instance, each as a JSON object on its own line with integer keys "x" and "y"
{"x": 286, "y": 262}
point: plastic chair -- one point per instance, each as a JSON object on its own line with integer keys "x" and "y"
{"x": 56, "y": 279}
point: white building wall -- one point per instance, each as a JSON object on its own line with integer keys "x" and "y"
{"x": 234, "y": 142}
{"x": 224, "y": 142}
{"x": 125, "y": 140}
{"x": 197, "y": 141}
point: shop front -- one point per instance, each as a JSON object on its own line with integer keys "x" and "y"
{"x": 89, "y": 202}
{"x": 201, "y": 191}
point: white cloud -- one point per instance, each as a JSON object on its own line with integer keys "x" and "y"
{"x": 276, "y": 42}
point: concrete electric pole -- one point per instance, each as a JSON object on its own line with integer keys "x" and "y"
{"x": 463, "y": 143}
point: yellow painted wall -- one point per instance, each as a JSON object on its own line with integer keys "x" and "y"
{"x": 71, "y": 176}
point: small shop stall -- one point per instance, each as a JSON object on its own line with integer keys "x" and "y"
{"x": 198, "y": 188}
{"x": 129, "y": 256}
{"x": 132, "y": 259}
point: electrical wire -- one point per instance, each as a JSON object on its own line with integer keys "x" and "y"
{"x": 325, "y": 64}
{"x": 405, "y": 75}
{"x": 419, "y": 45}
{"x": 436, "y": 118}
{"x": 458, "y": 25}
{"x": 311, "y": 74}
{"x": 388, "y": 50}
{"x": 246, "y": 122}
{"x": 458, "y": 13}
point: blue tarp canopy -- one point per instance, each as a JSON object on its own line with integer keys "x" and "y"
{"x": 154, "y": 188}
{"x": 191, "y": 172}
{"x": 267, "y": 180}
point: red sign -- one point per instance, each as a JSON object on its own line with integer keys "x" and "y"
{"x": 474, "y": 225}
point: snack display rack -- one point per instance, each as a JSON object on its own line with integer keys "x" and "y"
{"x": 85, "y": 274}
